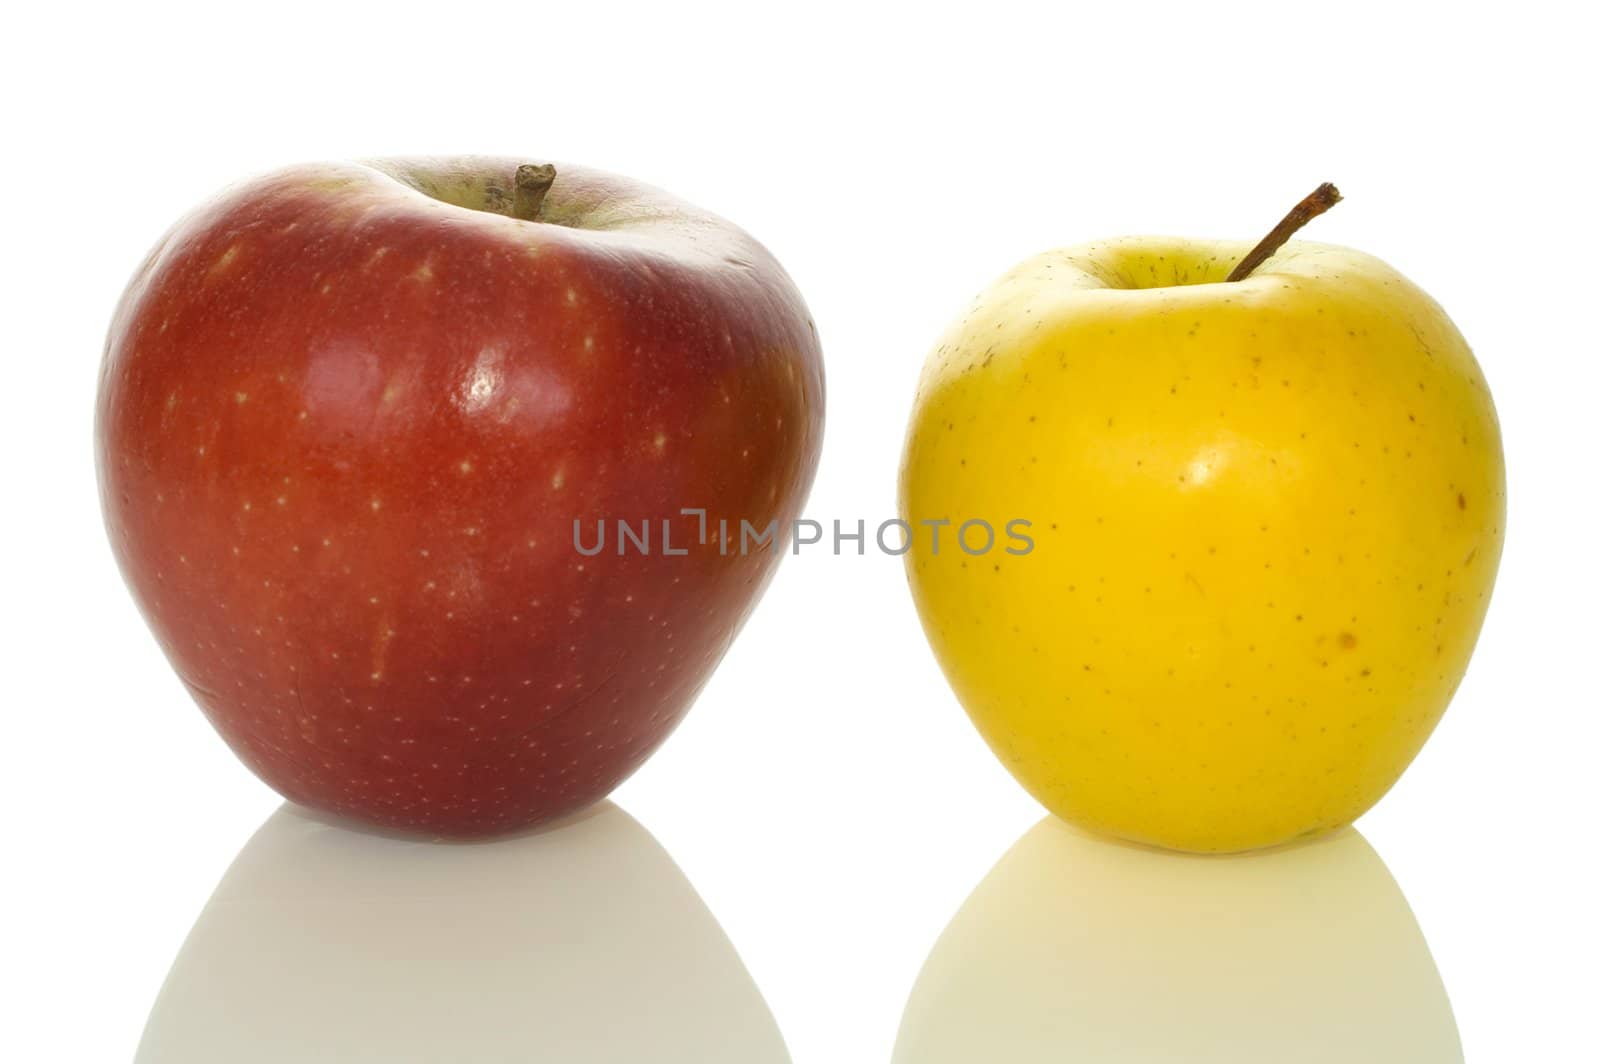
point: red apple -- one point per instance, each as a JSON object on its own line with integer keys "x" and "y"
{"x": 348, "y": 416}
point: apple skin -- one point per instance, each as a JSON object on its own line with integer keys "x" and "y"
{"x": 1266, "y": 514}
{"x": 347, "y": 417}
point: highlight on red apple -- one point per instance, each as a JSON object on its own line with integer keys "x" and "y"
{"x": 349, "y": 418}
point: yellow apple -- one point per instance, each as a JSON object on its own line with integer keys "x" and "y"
{"x": 1263, "y": 522}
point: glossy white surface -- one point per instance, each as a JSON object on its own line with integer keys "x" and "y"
{"x": 1080, "y": 948}
{"x": 580, "y": 942}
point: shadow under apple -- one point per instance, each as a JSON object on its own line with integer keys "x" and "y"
{"x": 1079, "y": 948}
{"x": 579, "y": 942}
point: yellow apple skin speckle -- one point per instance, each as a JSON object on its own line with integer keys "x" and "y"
{"x": 1266, "y": 516}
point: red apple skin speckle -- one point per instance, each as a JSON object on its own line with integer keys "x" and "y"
{"x": 344, "y": 430}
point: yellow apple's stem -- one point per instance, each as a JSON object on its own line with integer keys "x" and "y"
{"x": 533, "y": 181}
{"x": 1320, "y": 200}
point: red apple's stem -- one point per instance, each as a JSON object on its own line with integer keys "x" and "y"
{"x": 531, "y": 185}
{"x": 1321, "y": 199}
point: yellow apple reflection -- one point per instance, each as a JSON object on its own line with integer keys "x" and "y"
{"x": 578, "y": 943}
{"x": 1077, "y": 948}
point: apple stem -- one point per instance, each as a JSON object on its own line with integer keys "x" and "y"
{"x": 1324, "y": 196}
{"x": 532, "y": 183}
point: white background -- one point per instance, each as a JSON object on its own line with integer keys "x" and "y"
{"x": 826, "y": 796}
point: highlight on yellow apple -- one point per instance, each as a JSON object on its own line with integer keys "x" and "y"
{"x": 1264, "y": 502}
{"x": 1077, "y": 948}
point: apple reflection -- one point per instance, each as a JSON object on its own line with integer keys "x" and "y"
{"x": 581, "y": 942}
{"x": 1075, "y": 948}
